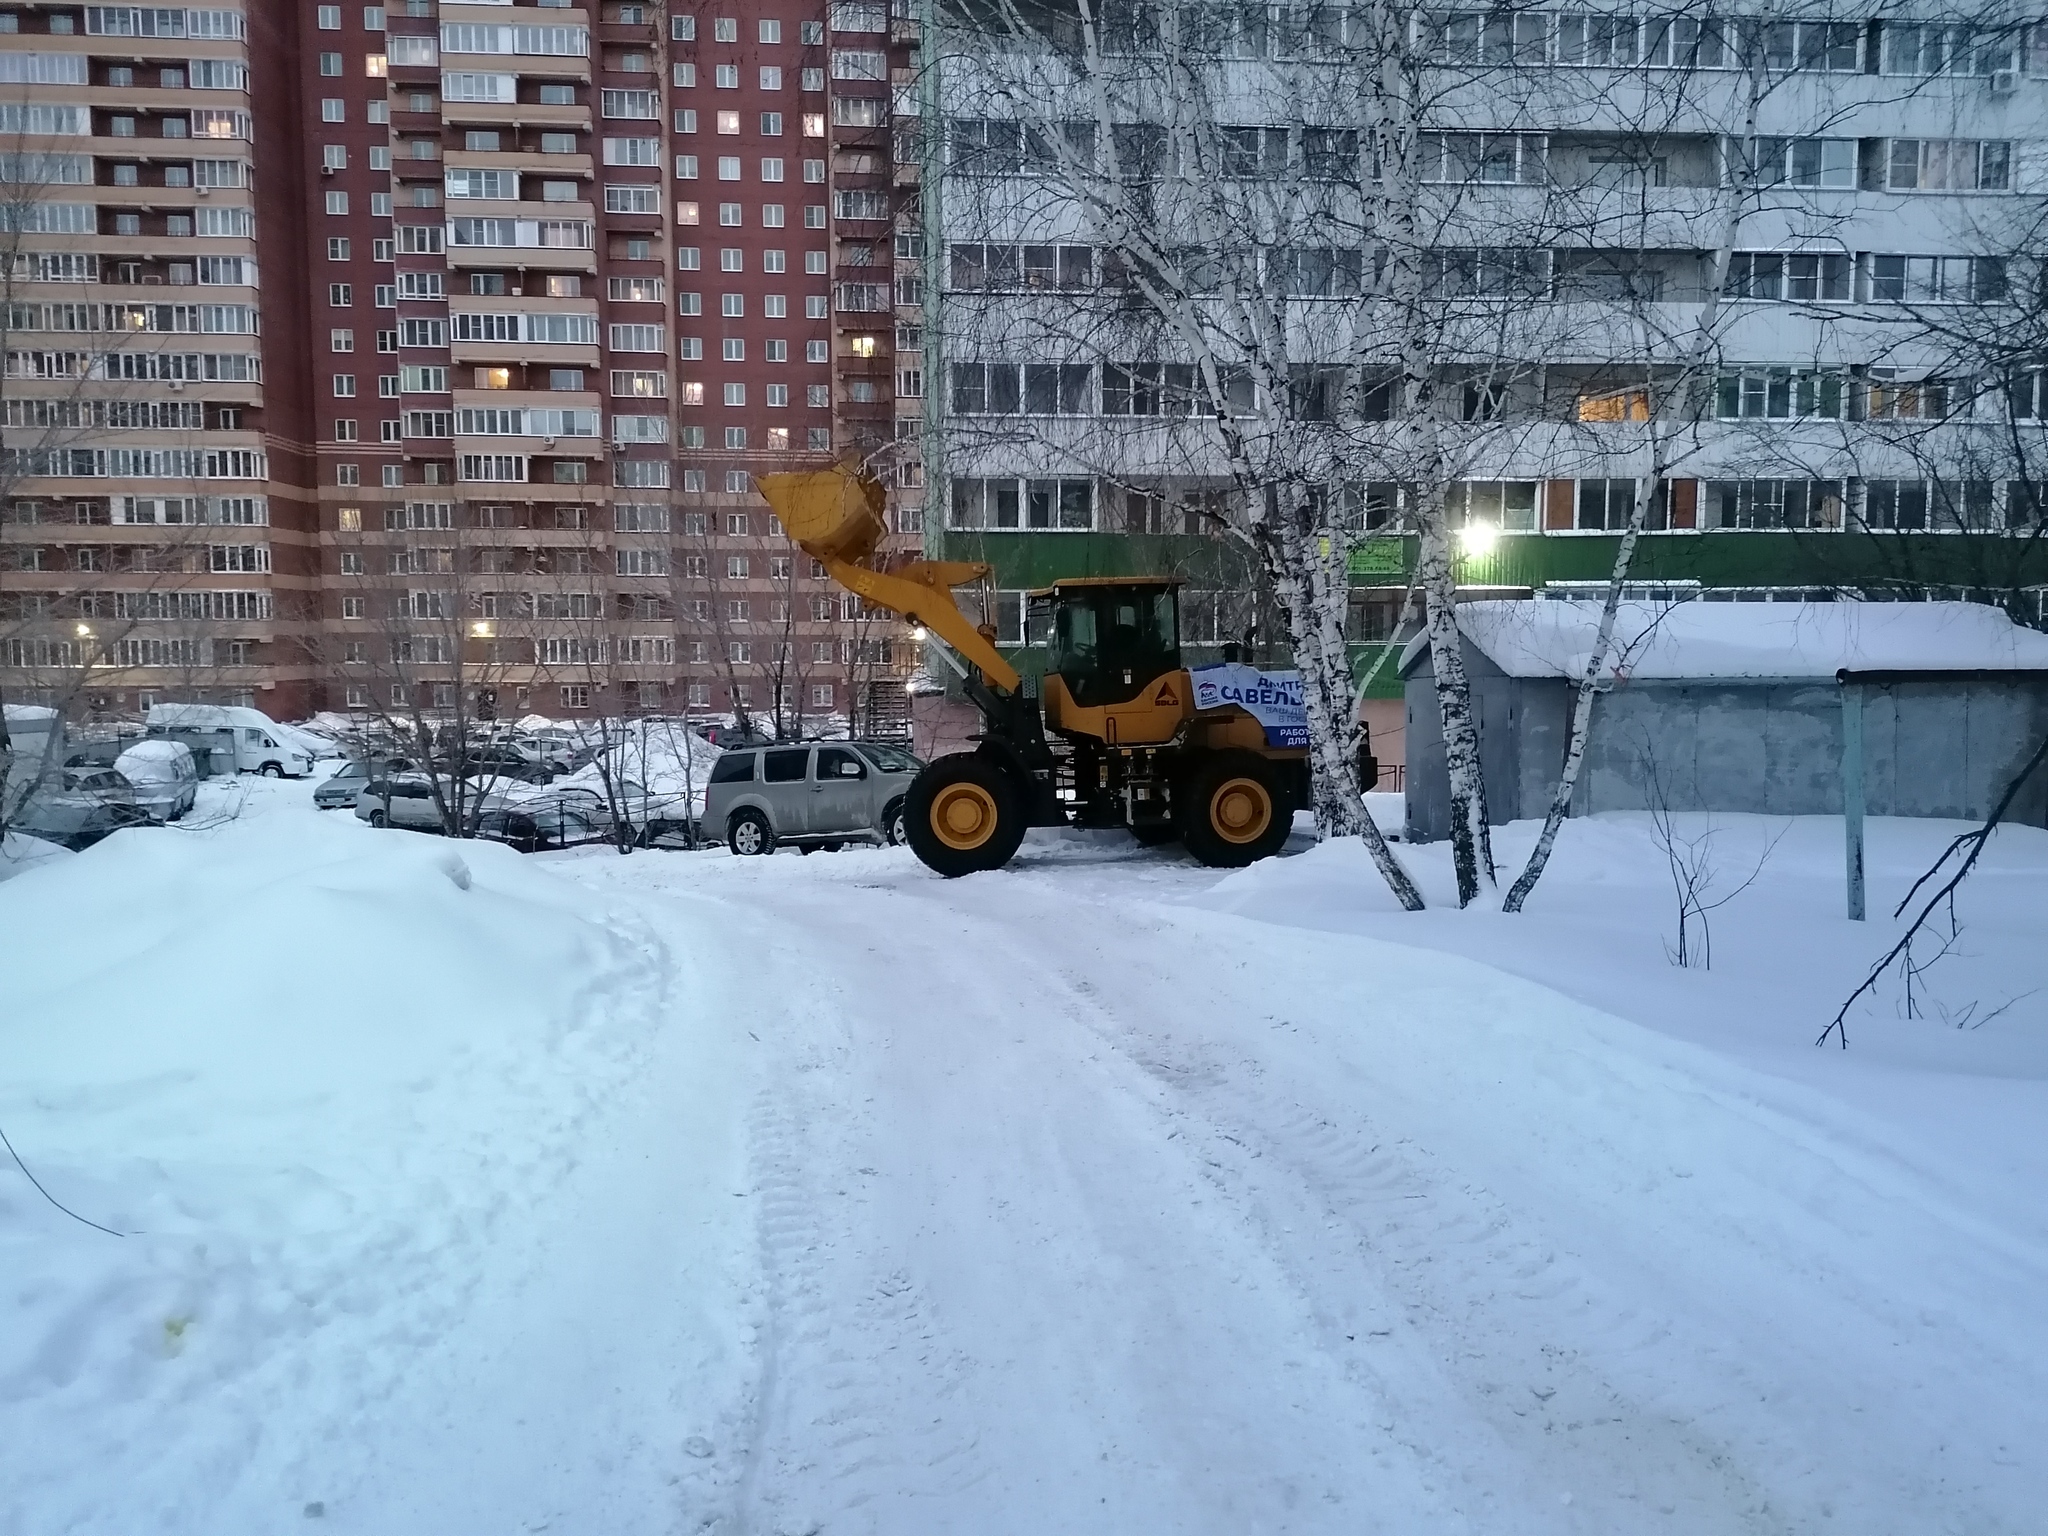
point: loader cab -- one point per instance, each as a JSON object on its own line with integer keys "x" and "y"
{"x": 1111, "y": 635}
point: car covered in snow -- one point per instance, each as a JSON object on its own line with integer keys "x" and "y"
{"x": 551, "y": 822}
{"x": 162, "y": 776}
{"x": 79, "y": 806}
{"x": 815, "y": 795}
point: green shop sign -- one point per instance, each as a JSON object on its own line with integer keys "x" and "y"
{"x": 1379, "y": 557}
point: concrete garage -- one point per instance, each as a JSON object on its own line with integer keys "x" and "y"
{"x": 1741, "y": 707}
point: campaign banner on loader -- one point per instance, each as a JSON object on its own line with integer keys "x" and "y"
{"x": 1271, "y": 698}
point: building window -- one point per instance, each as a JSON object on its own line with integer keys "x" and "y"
{"x": 1773, "y": 504}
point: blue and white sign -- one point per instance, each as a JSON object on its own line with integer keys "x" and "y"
{"x": 1271, "y": 698}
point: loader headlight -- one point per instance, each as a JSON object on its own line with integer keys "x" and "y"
{"x": 1478, "y": 539}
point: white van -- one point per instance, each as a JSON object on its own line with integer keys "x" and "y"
{"x": 248, "y": 738}
{"x": 165, "y": 778}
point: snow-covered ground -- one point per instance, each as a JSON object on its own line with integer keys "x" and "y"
{"x": 675, "y": 1192}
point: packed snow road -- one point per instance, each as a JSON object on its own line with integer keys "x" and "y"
{"x": 1079, "y": 1211}
{"x": 682, "y": 1193}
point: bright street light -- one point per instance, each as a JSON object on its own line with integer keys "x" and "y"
{"x": 1477, "y": 539}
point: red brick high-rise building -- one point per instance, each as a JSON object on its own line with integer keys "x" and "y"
{"x": 521, "y": 297}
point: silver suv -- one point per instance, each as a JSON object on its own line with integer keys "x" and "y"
{"x": 810, "y": 796}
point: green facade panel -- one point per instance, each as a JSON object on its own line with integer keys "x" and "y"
{"x": 1992, "y": 562}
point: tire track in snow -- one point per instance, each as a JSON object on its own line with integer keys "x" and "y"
{"x": 827, "y": 1422}
{"x": 870, "y": 1408}
{"x": 1382, "y": 1244}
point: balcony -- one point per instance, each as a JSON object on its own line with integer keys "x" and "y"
{"x": 515, "y": 114}
{"x": 528, "y": 162}
{"x": 537, "y": 447}
{"x": 528, "y": 66}
{"x": 545, "y": 354}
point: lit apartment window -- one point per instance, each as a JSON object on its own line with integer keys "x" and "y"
{"x": 728, "y": 122}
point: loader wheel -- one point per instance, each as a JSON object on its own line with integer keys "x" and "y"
{"x": 1233, "y": 811}
{"x": 962, "y": 815}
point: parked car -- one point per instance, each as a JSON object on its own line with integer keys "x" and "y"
{"x": 348, "y": 781}
{"x": 533, "y": 827}
{"x": 809, "y": 796}
{"x": 653, "y": 814}
{"x": 106, "y": 784}
{"x": 402, "y": 801}
{"x": 78, "y": 808}
{"x": 731, "y": 737}
{"x": 502, "y": 760}
{"x": 163, "y": 775}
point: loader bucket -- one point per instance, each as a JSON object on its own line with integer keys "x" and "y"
{"x": 834, "y": 514}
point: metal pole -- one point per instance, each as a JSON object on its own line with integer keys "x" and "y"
{"x": 1852, "y": 794}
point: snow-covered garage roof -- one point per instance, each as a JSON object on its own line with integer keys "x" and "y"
{"x": 1543, "y": 638}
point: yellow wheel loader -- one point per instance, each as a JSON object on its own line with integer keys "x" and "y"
{"x": 1120, "y": 734}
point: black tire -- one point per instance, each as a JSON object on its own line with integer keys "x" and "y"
{"x": 378, "y": 819}
{"x": 1232, "y": 810}
{"x": 272, "y": 770}
{"x": 1153, "y": 833}
{"x": 893, "y": 831}
{"x": 963, "y": 814}
{"x": 748, "y": 834}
